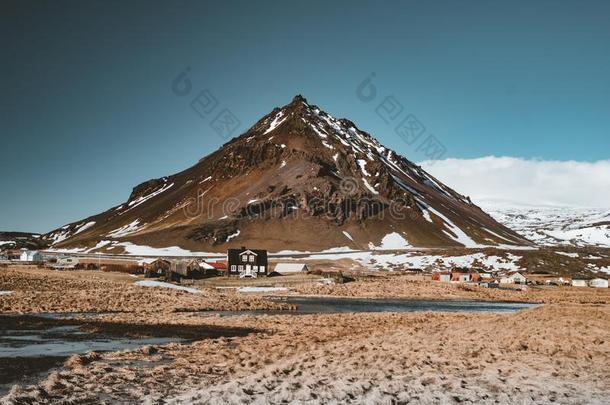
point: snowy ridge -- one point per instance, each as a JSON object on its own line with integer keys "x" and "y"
{"x": 553, "y": 225}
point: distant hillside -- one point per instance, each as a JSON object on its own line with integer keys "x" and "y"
{"x": 554, "y": 226}
{"x": 21, "y": 240}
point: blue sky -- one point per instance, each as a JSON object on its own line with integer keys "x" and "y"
{"x": 87, "y": 108}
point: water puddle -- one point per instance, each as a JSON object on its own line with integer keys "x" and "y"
{"x": 30, "y": 346}
{"x": 332, "y": 305}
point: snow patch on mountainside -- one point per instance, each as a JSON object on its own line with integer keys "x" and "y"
{"x": 125, "y": 230}
{"x": 140, "y": 250}
{"x": 83, "y": 227}
{"x": 391, "y": 241}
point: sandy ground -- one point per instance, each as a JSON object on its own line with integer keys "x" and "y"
{"x": 556, "y": 353}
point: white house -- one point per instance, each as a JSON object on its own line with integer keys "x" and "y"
{"x": 579, "y": 282}
{"x": 599, "y": 283}
{"x": 30, "y": 256}
{"x": 444, "y": 277}
{"x": 284, "y": 268}
{"x": 513, "y": 278}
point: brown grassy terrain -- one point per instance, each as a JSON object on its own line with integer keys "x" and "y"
{"x": 406, "y": 287}
{"x": 548, "y": 354}
{"x": 40, "y": 290}
{"x": 555, "y": 353}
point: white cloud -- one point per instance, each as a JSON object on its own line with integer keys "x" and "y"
{"x": 527, "y": 182}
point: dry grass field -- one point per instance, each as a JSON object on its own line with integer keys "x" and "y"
{"x": 555, "y": 353}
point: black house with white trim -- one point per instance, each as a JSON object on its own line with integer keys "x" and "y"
{"x": 247, "y": 262}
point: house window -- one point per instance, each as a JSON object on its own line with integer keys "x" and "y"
{"x": 251, "y": 259}
{"x": 261, "y": 269}
{"x": 240, "y": 267}
{"x": 244, "y": 258}
{"x": 255, "y": 268}
{"x": 233, "y": 267}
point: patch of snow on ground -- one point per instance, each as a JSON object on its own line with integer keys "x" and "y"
{"x": 391, "y": 241}
{"x": 151, "y": 283}
{"x": 277, "y": 121}
{"x": 347, "y": 235}
{"x": 260, "y": 289}
{"x": 367, "y": 185}
{"x": 8, "y": 242}
{"x": 418, "y": 261}
{"x": 84, "y": 227}
{"x": 99, "y": 245}
{"x": 497, "y": 235}
{"x": 6, "y": 292}
{"x": 320, "y": 133}
{"x": 125, "y": 229}
{"x": 234, "y": 235}
{"x": 147, "y": 197}
{"x": 60, "y": 236}
{"x": 362, "y": 164}
{"x": 552, "y": 225}
{"x": 140, "y": 250}
{"x": 572, "y": 255}
{"x": 460, "y": 236}
{"x": 73, "y": 250}
{"x": 427, "y": 217}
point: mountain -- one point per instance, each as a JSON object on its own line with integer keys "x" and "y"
{"x": 299, "y": 179}
{"x": 21, "y": 240}
{"x": 554, "y": 225}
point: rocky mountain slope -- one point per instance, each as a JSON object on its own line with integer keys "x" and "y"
{"x": 299, "y": 179}
{"x": 554, "y": 226}
{"x": 21, "y": 240}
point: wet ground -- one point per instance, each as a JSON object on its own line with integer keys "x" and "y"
{"x": 32, "y": 345}
{"x": 331, "y": 305}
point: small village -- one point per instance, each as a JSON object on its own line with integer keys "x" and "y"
{"x": 245, "y": 263}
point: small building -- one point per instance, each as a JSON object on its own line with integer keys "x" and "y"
{"x": 599, "y": 283}
{"x": 485, "y": 275}
{"x": 460, "y": 275}
{"x": 31, "y": 256}
{"x": 146, "y": 263}
{"x": 221, "y": 267}
{"x": 442, "y": 276}
{"x": 579, "y": 282}
{"x": 286, "y": 268}
{"x": 247, "y": 262}
{"x": 156, "y": 268}
{"x": 513, "y": 278}
{"x": 12, "y": 254}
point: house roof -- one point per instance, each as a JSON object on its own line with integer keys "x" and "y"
{"x": 147, "y": 261}
{"x": 290, "y": 267}
{"x": 206, "y": 266}
{"x": 248, "y": 251}
{"x": 218, "y": 265}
